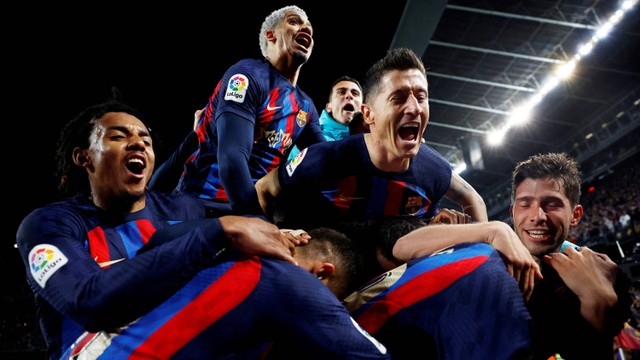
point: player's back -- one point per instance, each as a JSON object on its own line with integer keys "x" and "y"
{"x": 459, "y": 303}
{"x": 236, "y": 309}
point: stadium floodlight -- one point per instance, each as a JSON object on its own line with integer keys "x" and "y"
{"x": 519, "y": 115}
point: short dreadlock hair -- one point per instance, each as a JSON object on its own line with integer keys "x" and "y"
{"x": 72, "y": 179}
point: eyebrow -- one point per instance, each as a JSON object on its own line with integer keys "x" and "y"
{"x": 126, "y": 129}
{"x": 346, "y": 88}
{"x": 299, "y": 17}
{"x": 544, "y": 198}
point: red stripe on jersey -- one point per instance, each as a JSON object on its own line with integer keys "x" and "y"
{"x": 346, "y": 189}
{"x": 266, "y": 116}
{"x": 98, "y": 245}
{"x": 213, "y": 303}
{"x": 395, "y": 198}
{"x": 83, "y": 341}
{"x": 146, "y": 230}
{"x": 221, "y": 194}
{"x": 290, "y": 126}
{"x": 208, "y": 116}
{"x": 419, "y": 288}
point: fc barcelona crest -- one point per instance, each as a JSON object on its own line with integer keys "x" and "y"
{"x": 301, "y": 118}
{"x": 413, "y": 205}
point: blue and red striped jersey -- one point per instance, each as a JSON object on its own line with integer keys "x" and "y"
{"x": 282, "y": 115}
{"x": 345, "y": 175}
{"x": 237, "y": 309}
{"x": 458, "y": 303}
{"x": 70, "y": 249}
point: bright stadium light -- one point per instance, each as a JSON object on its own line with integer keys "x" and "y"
{"x": 519, "y": 115}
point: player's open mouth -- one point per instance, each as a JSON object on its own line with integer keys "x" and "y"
{"x": 135, "y": 165}
{"x": 409, "y": 132}
{"x": 304, "y": 39}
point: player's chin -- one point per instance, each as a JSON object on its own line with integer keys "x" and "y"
{"x": 302, "y": 56}
{"x": 136, "y": 190}
{"x": 409, "y": 148}
{"x": 539, "y": 248}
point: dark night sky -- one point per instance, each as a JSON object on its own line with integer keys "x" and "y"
{"x": 166, "y": 62}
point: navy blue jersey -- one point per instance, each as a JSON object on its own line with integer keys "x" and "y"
{"x": 236, "y": 309}
{"x": 281, "y": 114}
{"x": 343, "y": 172}
{"x": 81, "y": 263}
{"x": 560, "y": 328}
{"x": 458, "y": 303}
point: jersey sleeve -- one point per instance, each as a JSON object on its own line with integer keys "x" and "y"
{"x": 235, "y": 144}
{"x": 441, "y": 169}
{"x": 60, "y": 269}
{"x": 315, "y": 168}
{"x": 241, "y": 92}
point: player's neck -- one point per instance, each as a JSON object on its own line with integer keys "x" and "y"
{"x": 383, "y": 159}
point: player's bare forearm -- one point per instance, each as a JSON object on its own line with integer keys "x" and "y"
{"x": 461, "y": 192}
{"x": 268, "y": 188}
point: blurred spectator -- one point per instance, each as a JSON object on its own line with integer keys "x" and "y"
{"x": 624, "y": 218}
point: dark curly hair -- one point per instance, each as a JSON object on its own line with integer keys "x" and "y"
{"x": 556, "y": 166}
{"x": 72, "y": 179}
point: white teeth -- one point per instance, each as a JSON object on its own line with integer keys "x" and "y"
{"x": 537, "y": 234}
{"x": 135, "y": 165}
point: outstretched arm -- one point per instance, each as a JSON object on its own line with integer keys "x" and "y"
{"x": 461, "y": 192}
{"x": 112, "y": 294}
{"x": 426, "y": 240}
{"x": 235, "y": 142}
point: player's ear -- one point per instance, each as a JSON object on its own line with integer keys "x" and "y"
{"x": 81, "y": 158}
{"x": 270, "y": 35}
{"x": 578, "y": 211}
{"x": 328, "y": 107}
{"x": 367, "y": 113}
{"x": 325, "y": 271}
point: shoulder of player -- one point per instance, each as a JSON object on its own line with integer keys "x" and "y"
{"x": 427, "y": 153}
{"x": 183, "y": 202}
{"x": 253, "y": 69}
{"x": 338, "y": 150}
{"x": 67, "y": 216}
{"x": 63, "y": 208}
{"x": 45, "y": 213}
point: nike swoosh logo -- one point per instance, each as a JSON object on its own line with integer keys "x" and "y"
{"x": 107, "y": 263}
{"x": 273, "y": 108}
